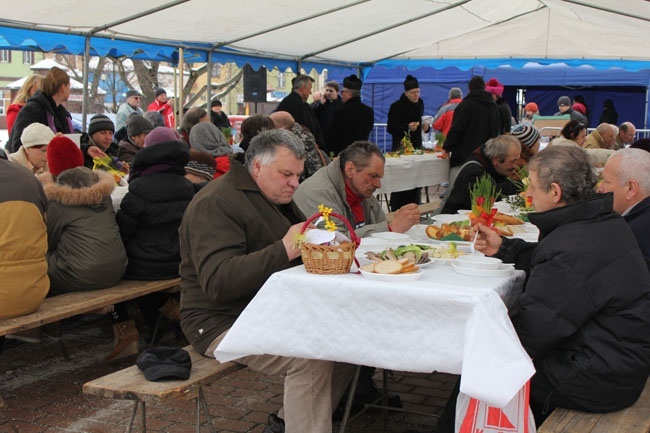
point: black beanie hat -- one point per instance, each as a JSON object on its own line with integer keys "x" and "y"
{"x": 411, "y": 83}
{"x": 100, "y": 122}
{"x": 165, "y": 363}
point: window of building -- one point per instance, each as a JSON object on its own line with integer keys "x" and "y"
{"x": 5, "y": 56}
{"x": 280, "y": 80}
{"x": 28, "y": 57}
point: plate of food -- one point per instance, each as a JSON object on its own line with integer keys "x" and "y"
{"x": 391, "y": 270}
{"x": 447, "y": 253}
{"x": 391, "y": 236}
{"x": 414, "y": 254}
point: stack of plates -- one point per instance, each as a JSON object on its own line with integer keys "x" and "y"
{"x": 477, "y": 266}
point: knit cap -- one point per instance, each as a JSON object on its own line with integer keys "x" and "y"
{"x": 528, "y": 135}
{"x": 531, "y": 106}
{"x": 564, "y": 100}
{"x": 137, "y": 124}
{"x": 160, "y": 91}
{"x": 206, "y": 137}
{"x": 161, "y": 134}
{"x": 100, "y": 122}
{"x": 494, "y": 87}
{"x": 411, "y": 83}
{"x": 352, "y": 82}
{"x": 199, "y": 169}
{"x": 36, "y": 134}
{"x": 62, "y": 154}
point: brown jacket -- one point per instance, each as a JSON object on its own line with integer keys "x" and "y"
{"x": 231, "y": 242}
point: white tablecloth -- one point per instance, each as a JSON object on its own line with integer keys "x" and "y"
{"x": 445, "y": 321}
{"x": 412, "y": 171}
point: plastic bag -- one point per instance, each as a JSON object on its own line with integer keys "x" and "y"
{"x": 473, "y": 416}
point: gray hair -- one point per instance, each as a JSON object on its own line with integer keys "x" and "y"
{"x": 634, "y": 164}
{"x": 359, "y": 153}
{"x": 455, "y": 93}
{"x": 569, "y": 167}
{"x": 263, "y": 146}
{"x": 498, "y": 147}
{"x": 301, "y": 81}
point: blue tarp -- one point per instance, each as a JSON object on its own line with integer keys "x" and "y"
{"x": 544, "y": 84}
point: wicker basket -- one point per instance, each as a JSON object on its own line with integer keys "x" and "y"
{"x": 329, "y": 259}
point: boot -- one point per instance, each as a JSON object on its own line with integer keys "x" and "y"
{"x": 126, "y": 340}
{"x": 171, "y": 310}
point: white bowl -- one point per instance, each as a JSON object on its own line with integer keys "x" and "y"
{"x": 478, "y": 262}
{"x": 391, "y": 236}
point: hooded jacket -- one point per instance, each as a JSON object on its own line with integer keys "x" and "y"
{"x": 23, "y": 241}
{"x": 584, "y": 315}
{"x": 40, "y": 108}
{"x": 151, "y": 211}
{"x": 476, "y": 119}
{"x": 353, "y": 122}
{"x": 85, "y": 250}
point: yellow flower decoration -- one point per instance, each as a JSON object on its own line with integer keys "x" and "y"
{"x": 325, "y": 212}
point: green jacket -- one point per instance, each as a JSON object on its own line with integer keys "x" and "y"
{"x": 231, "y": 242}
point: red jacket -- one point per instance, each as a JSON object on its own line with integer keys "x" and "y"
{"x": 12, "y": 113}
{"x": 444, "y": 116}
{"x": 165, "y": 109}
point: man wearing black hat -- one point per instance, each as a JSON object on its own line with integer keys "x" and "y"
{"x": 404, "y": 120}
{"x": 295, "y": 103}
{"x": 218, "y": 117}
{"x": 161, "y": 105}
{"x": 131, "y": 105}
{"x": 99, "y": 139}
{"x": 354, "y": 121}
{"x": 137, "y": 128}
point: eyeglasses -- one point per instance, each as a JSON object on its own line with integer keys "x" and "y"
{"x": 134, "y": 97}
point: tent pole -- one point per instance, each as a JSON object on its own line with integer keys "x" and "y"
{"x": 180, "y": 104}
{"x": 84, "y": 105}
{"x": 209, "y": 84}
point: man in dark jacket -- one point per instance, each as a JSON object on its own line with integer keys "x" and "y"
{"x": 564, "y": 107}
{"x": 296, "y": 104}
{"x": 476, "y": 120}
{"x": 236, "y": 233}
{"x": 325, "y": 109}
{"x": 626, "y": 176}
{"x": 354, "y": 121}
{"x": 404, "y": 120}
{"x": 218, "y": 117}
{"x": 584, "y": 315}
{"x": 498, "y": 158}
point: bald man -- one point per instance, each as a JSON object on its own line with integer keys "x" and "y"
{"x": 625, "y": 136}
{"x": 601, "y": 138}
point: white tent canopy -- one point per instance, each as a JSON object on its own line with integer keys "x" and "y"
{"x": 358, "y": 32}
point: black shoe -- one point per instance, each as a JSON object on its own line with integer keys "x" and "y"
{"x": 275, "y": 424}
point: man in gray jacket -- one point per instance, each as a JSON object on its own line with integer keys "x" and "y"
{"x": 348, "y": 184}
{"x": 234, "y": 235}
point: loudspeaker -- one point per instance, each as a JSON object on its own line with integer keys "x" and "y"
{"x": 254, "y": 84}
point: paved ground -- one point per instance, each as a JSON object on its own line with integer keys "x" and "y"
{"x": 42, "y": 392}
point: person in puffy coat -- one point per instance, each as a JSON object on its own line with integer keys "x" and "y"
{"x": 85, "y": 251}
{"x": 584, "y": 314}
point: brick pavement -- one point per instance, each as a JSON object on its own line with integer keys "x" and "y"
{"x": 42, "y": 392}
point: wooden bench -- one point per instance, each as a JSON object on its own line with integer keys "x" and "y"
{"x": 71, "y": 304}
{"x": 634, "y": 419}
{"x": 130, "y": 384}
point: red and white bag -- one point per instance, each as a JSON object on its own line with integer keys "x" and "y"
{"x": 475, "y": 416}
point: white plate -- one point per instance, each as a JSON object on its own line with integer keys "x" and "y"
{"x": 392, "y": 277}
{"x": 459, "y": 244}
{"x": 479, "y": 262}
{"x": 429, "y": 263}
{"x": 503, "y": 271}
{"x": 449, "y": 218}
{"x": 391, "y": 236}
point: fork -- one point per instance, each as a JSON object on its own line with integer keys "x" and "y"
{"x": 472, "y": 247}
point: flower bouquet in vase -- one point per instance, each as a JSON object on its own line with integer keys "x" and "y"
{"x": 483, "y": 194}
{"x": 406, "y": 144}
